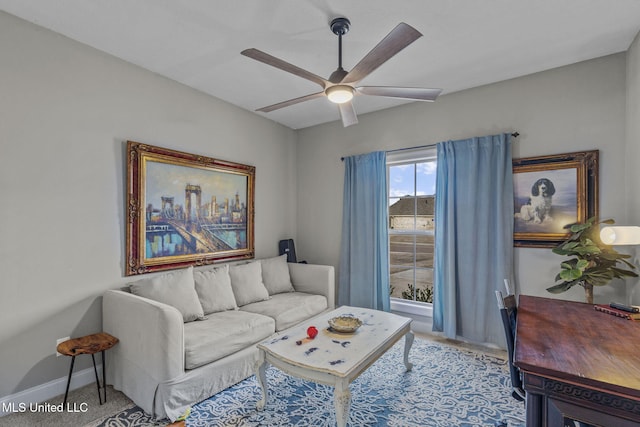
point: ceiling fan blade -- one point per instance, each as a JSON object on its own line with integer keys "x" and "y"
{"x": 261, "y": 56}
{"x": 421, "y": 94}
{"x": 348, "y": 114}
{"x": 399, "y": 38}
{"x": 290, "y": 102}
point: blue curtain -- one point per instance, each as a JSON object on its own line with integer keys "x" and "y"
{"x": 364, "y": 254}
{"x": 474, "y": 236}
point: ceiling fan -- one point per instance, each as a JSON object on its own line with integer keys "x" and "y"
{"x": 342, "y": 85}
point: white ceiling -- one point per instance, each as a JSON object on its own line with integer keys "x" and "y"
{"x": 466, "y": 43}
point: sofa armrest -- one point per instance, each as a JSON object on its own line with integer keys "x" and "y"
{"x": 151, "y": 347}
{"x": 314, "y": 279}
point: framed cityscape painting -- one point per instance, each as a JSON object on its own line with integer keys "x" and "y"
{"x": 551, "y": 192}
{"x": 185, "y": 209}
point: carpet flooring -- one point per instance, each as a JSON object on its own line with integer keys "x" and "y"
{"x": 449, "y": 386}
{"x": 85, "y": 409}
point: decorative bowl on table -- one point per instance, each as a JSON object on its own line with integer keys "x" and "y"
{"x": 345, "y": 324}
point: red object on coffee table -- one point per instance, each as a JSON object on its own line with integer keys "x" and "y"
{"x": 312, "y": 331}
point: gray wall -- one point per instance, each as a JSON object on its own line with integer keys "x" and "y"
{"x": 574, "y": 108}
{"x": 66, "y": 111}
{"x": 633, "y": 148}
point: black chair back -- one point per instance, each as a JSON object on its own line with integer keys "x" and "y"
{"x": 508, "y": 313}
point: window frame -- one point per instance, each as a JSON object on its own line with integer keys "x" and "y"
{"x": 399, "y": 158}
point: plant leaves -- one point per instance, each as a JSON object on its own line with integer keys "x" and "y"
{"x": 582, "y": 264}
{"x": 624, "y": 273}
{"x": 587, "y": 250}
{"x": 576, "y": 228}
{"x": 572, "y": 274}
{"x": 562, "y": 287}
{"x": 593, "y": 262}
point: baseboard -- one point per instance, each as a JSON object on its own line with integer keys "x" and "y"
{"x": 46, "y": 391}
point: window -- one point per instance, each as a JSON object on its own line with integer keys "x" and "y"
{"x": 411, "y": 177}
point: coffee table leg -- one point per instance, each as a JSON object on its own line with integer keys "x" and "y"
{"x": 408, "y": 342}
{"x": 342, "y": 401}
{"x": 261, "y": 368}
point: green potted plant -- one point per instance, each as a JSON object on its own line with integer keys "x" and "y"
{"x": 593, "y": 263}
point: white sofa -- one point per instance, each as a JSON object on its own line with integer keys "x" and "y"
{"x": 175, "y": 352}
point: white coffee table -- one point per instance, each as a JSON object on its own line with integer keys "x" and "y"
{"x": 333, "y": 358}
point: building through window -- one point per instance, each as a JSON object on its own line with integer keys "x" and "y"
{"x": 412, "y": 188}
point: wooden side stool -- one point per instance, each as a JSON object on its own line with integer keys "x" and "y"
{"x": 90, "y": 344}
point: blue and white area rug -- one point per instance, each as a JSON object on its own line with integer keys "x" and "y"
{"x": 449, "y": 386}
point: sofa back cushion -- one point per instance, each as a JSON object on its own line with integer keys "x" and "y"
{"x": 214, "y": 289}
{"x": 289, "y": 308}
{"x": 176, "y": 289}
{"x": 246, "y": 282}
{"x": 275, "y": 275}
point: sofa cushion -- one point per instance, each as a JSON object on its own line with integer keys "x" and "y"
{"x": 176, "y": 289}
{"x": 214, "y": 289}
{"x": 223, "y": 333}
{"x": 275, "y": 275}
{"x": 290, "y": 308}
{"x": 246, "y": 282}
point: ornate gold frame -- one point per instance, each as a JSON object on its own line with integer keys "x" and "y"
{"x": 586, "y": 166}
{"x": 163, "y": 234}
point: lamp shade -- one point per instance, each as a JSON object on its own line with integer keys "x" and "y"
{"x": 620, "y": 235}
{"x": 339, "y": 94}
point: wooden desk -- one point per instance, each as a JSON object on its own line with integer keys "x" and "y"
{"x": 577, "y": 363}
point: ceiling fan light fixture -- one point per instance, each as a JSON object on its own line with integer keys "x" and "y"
{"x": 339, "y": 94}
{"x": 342, "y": 85}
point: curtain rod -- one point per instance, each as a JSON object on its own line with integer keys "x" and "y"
{"x": 513, "y": 134}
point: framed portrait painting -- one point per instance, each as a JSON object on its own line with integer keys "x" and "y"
{"x": 185, "y": 209}
{"x": 551, "y": 192}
